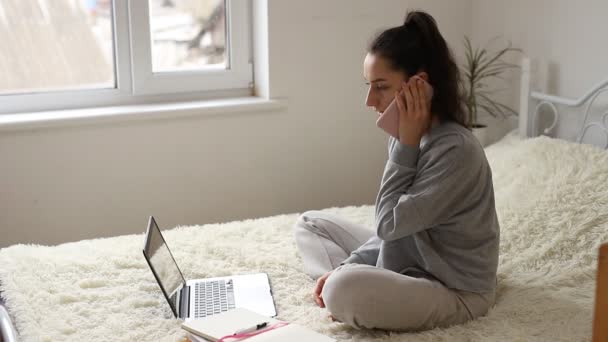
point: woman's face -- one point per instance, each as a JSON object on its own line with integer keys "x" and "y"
{"x": 382, "y": 80}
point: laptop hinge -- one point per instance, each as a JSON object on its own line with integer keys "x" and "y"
{"x": 184, "y": 305}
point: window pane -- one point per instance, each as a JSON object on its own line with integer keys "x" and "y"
{"x": 188, "y": 34}
{"x": 55, "y": 45}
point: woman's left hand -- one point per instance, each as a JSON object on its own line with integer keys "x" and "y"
{"x": 414, "y": 111}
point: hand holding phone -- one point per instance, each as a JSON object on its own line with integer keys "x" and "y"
{"x": 389, "y": 119}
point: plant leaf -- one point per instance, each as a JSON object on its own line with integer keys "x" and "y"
{"x": 468, "y": 50}
{"x": 499, "y": 107}
{"x": 492, "y": 71}
{"x": 487, "y": 110}
{"x": 497, "y": 56}
{"x": 507, "y": 108}
{"x": 492, "y": 103}
{"x": 479, "y": 59}
{"x": 489, "y": 74}
{"x": 507, "y": 64}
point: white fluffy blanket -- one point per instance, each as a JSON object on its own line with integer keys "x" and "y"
{"x": 552, "y": 201}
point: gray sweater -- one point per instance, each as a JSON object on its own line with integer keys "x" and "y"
{"x": 435, "y": 213}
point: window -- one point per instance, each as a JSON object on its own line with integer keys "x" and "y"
{"x": 61, "y": 54}
{"x": 54, "y": 45}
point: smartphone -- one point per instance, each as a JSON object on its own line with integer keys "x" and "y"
{"x": 389, "y": 119}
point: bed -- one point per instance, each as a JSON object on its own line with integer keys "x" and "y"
{"x": 552, "y": 202}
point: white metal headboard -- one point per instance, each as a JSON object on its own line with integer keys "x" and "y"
{"x": 551, "y": 101}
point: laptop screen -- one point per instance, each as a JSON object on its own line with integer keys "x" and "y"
{"x": 163, "y": 265}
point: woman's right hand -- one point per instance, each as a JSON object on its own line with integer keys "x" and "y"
{"x": 319, "y": 288}
{"x": 414, "y": 104}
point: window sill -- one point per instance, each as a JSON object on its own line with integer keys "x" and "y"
{"x": 27, "y": 121}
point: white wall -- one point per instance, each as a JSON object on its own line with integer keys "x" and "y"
{"x": 67, "y": 184}
{"x": 566, "y": 40}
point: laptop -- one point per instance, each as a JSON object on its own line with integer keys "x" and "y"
{"x": 199, "y": 298}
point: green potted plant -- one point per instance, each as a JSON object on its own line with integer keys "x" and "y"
{"x": 480, "y": 67}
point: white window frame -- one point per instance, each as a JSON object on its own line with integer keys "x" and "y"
{"x": 135, "y": 81}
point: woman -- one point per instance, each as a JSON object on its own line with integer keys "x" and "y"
{"x": 432, "y": 259}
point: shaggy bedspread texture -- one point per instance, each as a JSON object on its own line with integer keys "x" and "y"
{"x": 552, "y": 202}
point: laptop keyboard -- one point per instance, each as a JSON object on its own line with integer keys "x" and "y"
{"x": 212, "y": 297}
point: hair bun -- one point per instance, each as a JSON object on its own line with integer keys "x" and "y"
{"x": 418, "y": 18}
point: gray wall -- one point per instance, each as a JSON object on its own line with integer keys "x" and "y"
{"x": 66, "y": 184}
{"x": 71, "y": 183}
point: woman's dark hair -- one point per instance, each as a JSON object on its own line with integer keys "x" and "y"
{"x": 418, "y": 46}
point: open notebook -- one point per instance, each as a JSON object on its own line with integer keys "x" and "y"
{"x": 215, "y": 327}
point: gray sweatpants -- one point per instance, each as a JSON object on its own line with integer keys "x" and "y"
{"x": 365, "y": 296}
